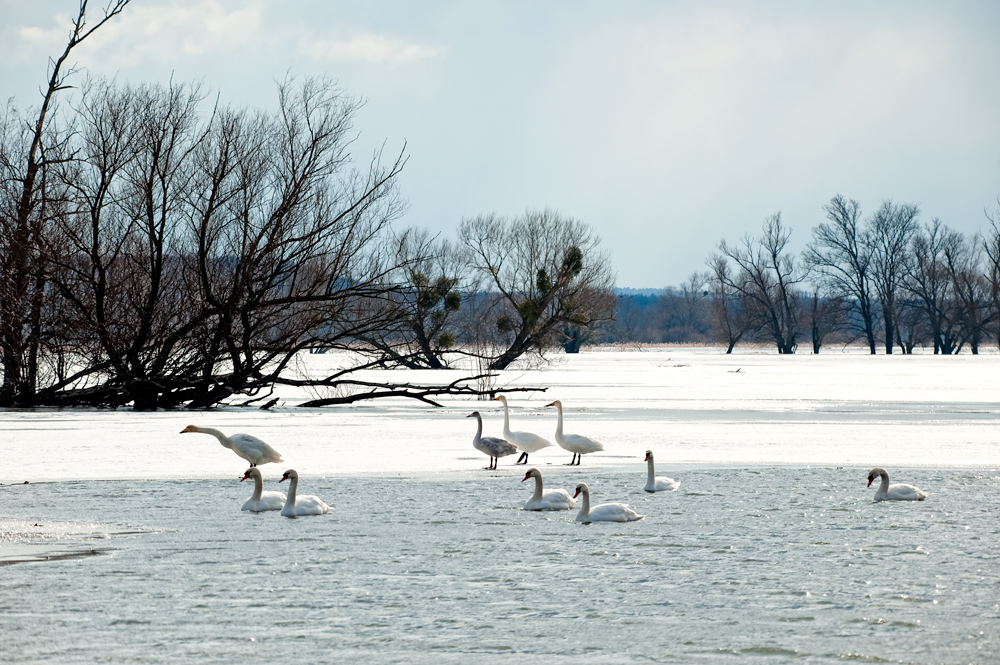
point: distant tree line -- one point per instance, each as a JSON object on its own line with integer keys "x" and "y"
{"x": 884, "y": 280}
{"x": 159, "y": 251}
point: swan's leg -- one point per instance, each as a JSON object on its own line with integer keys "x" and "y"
{"x": 579, "y": 457}
{"x": 523, "y": 459}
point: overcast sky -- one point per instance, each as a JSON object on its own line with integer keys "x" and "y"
{"x": 667, "y": 126}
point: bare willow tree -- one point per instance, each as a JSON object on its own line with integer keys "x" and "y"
{"x": 840, "y": 259}
{"x": 929, "y": 282}
{"x": 541, "y": 271}
{"x": 971, "y": 289}
{"x": 765, "y": 281}
{"x": 889, "y": 231}
{"x": 731, "y": 320}
{"x": 422, "y": 328}
{"x": 29, "y": 146}
{"x": 991, "y": 245}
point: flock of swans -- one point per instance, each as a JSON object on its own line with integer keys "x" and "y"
{"x": 257, "y": 452}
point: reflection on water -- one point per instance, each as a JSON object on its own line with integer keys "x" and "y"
{"x": 763, "y": 564}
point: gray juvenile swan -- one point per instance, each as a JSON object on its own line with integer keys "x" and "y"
{"x": 887, "y": 492}
{"x": 246, "y": 446}
{"x": 490, "y": 445}
{"x": 526, "y": 442}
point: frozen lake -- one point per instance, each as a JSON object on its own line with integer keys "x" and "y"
{"x": 772, "y": 550}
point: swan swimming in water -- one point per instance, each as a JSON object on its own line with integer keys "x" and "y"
{"x": 576, "y": 444}
{"x": 900, "y": 492}
{"x": 490, "y": 445}
{"x": 261, "y": 500}
{"x": 297, "y": 506}
{"x": 654, "y": 484}
{"x": 526, "y": 442}
{"x": 246, "y": 446}
{"x": 606, "y": 512}
{"x": 546, "y": 499}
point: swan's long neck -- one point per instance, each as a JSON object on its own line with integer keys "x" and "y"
{"x": 651, "y": 474}
{"x": 293, "y": 484}
{"x": 585, "y": 508}
{"x": 559, "y": 431}
{"x": 479, "y": 429}
{"x": 258, "y": 487}
{"x": 506, "y": 420}
{"x": 223, "y": 439}
{"x": 537, "y": 496}
{"x": 883, "y": 489}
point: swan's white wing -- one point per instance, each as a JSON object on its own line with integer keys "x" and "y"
{"x": 552, "y": 500}
{"x": 253, "y": 449}
{"x": 905, "y": 493}
{"x": 527, "y": 442}
{"x": 576, "y": 443}
{"x": 307, "y": 504}
{"x": 613, "y": 512}
{"x": 661, "y": 484}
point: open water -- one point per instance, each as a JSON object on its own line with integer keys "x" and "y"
{"x": 744, "y": 564}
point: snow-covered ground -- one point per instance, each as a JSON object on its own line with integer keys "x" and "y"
{"x": 691, "y": 405}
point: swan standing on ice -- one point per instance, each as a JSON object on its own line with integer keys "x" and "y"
{"x": 246, "y": 446}
{"x": 654, "y": 484}
{"x": 302, "y": 505}
{"x": 887, "y": 492}
{"x": 261, "y": 500}
{"x": 576, "y": 444}
{"x": 526, "y": 442}
{"x": 546, "y": 499}
{"x": 490, "y": 445}
{"x": 606, "y": 512}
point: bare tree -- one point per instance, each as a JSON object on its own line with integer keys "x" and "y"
{"x": 765, "y": 282}
{"x": 840, "y": 260}
{"x": 25, "y": 161}
{"x": 430, "y": 278}
{"x": 928, "y": 280}
{"x": 731, "y": 320}
{"x": 826, "y": 316}
{"x": 543, "y": 271}
{"x": 971, "y": 289}
{"x": 889, "y": 233}
{"x": 991, "y": 245}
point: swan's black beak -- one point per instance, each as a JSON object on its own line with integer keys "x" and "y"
{"x": 870, "y": 479}
{"x": 577, "y": 494}
{"x": 646, "y": 458}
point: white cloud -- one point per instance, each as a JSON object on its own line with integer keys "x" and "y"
{"x": 368, "y": 48}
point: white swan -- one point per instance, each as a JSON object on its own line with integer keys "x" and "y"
{"x": 576, "y": 444}
{"x": 654, "y": 484}
{"x": 887, "y": 492}
{"x": 296, "y": 506}
{"x": 490, "y": 445}
{"x": 526, "y": 442}
{"x": 246, "y": 446}
{"x": 606, "y": 512}
{"x": 546, "y": 499}
{"x": 261, "y": 500}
